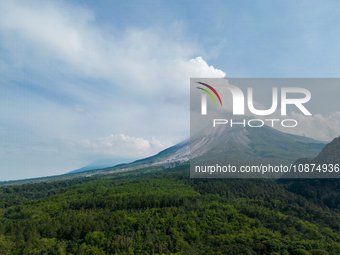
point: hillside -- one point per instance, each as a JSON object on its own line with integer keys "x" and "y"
{"x": 325, "y": 165}
{"x": 163, "y": 211}
{"x": 330, "y": 154}
{"x": 319, "y": 187}
{"x": 102, "y": 163}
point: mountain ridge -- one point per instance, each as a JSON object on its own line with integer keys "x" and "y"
{"x": 180, "y": 152}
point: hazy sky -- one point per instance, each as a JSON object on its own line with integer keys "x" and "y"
{"x": 84, "y": 80}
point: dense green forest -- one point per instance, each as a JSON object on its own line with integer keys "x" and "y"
{"x": 163, "y": 211}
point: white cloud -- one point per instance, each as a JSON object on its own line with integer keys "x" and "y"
{"x": 323, "y": 128}
{"x": 65, "y": 77}
{"x": 61, "y": 50}
{"x": 319, "y": 127}
{"x": 57, "y": 39}
{"x": 198, "y": 68}
{"x": 124, "y": 146}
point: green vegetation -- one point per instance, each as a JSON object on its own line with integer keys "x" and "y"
{"x": 163, "y": 211}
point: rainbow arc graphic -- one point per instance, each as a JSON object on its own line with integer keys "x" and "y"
{"x": 209, "y": 93}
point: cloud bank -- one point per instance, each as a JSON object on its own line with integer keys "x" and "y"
{"x": 66, "y": 77}
{"x": 124, "y": 146}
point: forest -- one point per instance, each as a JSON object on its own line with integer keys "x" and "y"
{"x": 162, "y": 211}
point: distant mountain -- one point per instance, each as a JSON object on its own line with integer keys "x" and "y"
{"x": 236, "y": 145}
{"x": 102, "y": 163}
{"x": 169, "y": 157}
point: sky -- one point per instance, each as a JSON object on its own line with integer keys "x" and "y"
{"x": 86, "y": 80}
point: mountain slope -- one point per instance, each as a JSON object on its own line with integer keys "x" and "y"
{"x": 325, "y": 191}
{"x": 237, "y": 145}
{"x": 250, "y": 146}
{"x": 102, "y": 163}
{"x": 325, "y": 165}
{"x": 330, "y": 154}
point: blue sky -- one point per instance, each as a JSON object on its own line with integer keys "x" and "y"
{"x": 85, "y": 80}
